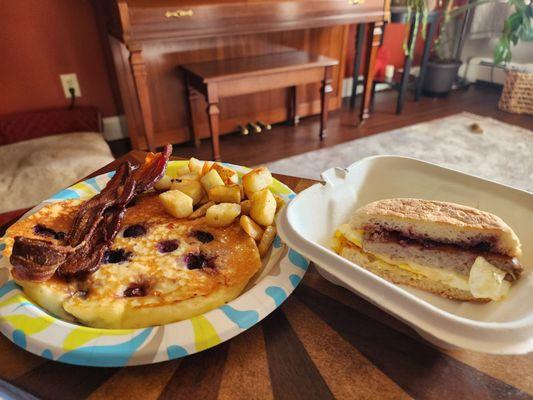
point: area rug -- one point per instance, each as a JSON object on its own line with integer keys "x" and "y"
{"x": 503, "y": 152}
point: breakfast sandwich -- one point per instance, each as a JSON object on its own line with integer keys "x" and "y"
{"x": 448, "y": 249}
{"x": 148, "y": 249}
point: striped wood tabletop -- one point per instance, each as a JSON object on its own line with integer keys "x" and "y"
{"x": 323, "y": 342}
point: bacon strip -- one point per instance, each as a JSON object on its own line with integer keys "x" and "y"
{"x": 94, "y": 228}
{"x": 35, "y": 259}
{"x": 152, "y": 170}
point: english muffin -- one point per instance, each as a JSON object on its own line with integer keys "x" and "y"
{"x": 448, "y": 249}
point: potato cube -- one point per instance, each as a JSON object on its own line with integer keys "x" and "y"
{"x": 195, "y": 165}
{"x": 193, "y": 176}
{"x": 227, "y": 174}
{"x": 256, "y": 180}
{"x": 245, "y": 207}
{"x": 202, "y": 210}
{"x": 211, "y": 179}
{"x": 176, "y": 203}
{"x": 206, "y": 168}
{"x": 222, "y": 214}
{"x": 205, "y": 199}
{"x": 225, "y": 194}
{"x": 279, "y": 202}
{"x": 191, "y": 188}
{"x": 183, "y": 170}
{"x": 251, "y": 228}
{"x": 263, "y": 207}
{"x": 266, "y": 240}
{"x": 163, "y": 183}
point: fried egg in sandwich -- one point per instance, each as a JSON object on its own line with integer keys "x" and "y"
{"x": 448, "y": 249}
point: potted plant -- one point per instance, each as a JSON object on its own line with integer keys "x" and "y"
{"x": 443, "y": 66}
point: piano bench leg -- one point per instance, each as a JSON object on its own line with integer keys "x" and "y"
{"x": 192, "y": 97}
{"x": 324, "y": 102}
{"x": 213, "y": 113}
{"x": 294, "y": 118}
{"x": 375, "y": 31}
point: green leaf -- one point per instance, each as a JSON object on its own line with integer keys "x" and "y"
{"x": 519, "y": 5}
{"x": 502, "y": 51}
{"x": 526, "y": 34}
{"x": 526, "y": 29}
{"x": 424, "y": 22}
{"x": 514, "y": 21}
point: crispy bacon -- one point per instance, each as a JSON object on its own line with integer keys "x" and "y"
{"x": 36, "y": 259}
{"x": 152, "y": 170}
{"x": 94, "y": 228}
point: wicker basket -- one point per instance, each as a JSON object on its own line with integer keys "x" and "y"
{"x": 517, "y": 95}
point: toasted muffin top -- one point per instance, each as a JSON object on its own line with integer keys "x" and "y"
{"x": 440, "y": 221}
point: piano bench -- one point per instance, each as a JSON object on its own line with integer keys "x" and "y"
{"x": 233, "y": 77}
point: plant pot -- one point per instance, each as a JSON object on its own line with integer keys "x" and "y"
{"x": 439, "y": 78}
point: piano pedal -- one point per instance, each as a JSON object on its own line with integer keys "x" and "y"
{"x": 254, "y": 127}
{"x": 243, "y": 130}
{"x": 264, "y": 125}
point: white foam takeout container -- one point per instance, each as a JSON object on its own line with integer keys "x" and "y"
{"x": 309, "y": 222}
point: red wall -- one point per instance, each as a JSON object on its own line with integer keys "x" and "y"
{"x": 392, "y": 44}
{"x": 40, "y": 39}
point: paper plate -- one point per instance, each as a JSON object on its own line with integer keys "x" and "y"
{"x": 38, "y": 332}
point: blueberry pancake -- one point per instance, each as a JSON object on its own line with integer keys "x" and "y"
{"x": 158, "y": 269}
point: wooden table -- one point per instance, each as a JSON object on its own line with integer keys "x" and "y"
{"x": 323, "y": 342}
{"x": 238, "y": 76}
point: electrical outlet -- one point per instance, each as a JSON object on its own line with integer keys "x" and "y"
{"x": 70, "y": 81}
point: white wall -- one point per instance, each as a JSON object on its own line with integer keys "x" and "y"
{"x": 476, "y": 50}
{"x": 522, "y": 53}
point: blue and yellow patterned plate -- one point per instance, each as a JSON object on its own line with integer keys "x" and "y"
{"x": 33, "y": 329}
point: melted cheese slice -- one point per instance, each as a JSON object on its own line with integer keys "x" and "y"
{"x": 484, "y": 281}
{"x": 487, "y": 281}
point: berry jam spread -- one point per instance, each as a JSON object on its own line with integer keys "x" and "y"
{"x": 136, "y": 290}
{"x": 199, "y": 260}
{"x": 116, "y": 256}
{"x": 167, "y": 246}
{"x": 134, "y": 231}
{"x": 42, "y": 230}
{"x": 203, "y": 236}
{"x": 82, "y": 293}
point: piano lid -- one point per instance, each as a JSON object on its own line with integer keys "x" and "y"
{"x": 141, "y": 20}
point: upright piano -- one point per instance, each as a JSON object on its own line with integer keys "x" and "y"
{"x": 147, "y": 40}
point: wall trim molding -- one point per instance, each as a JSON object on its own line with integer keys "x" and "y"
{"x": 115, "y": 127}
{"x": 347, "y": 87}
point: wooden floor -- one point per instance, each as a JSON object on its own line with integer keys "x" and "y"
{"x": 284, "y": 141}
